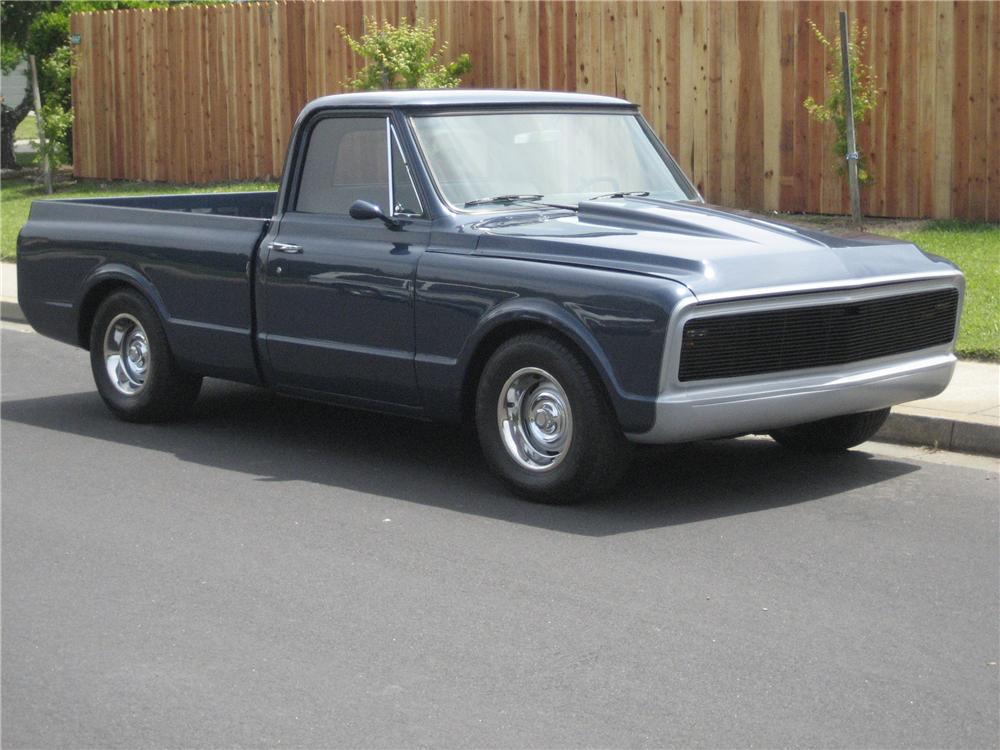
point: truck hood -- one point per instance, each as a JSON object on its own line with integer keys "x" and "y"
{"x": 715, "y": 252}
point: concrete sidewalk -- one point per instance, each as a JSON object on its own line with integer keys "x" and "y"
{"x": 9, "y": 309}
{"x": 966, "y": 417}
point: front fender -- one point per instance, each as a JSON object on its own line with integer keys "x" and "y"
{"x": 467, "y": 305}
{"x": 546, "y": 314}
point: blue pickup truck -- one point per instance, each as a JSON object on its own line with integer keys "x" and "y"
{"x": 533, "y": 263}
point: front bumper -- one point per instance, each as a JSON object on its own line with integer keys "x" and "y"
{"x": 763, "y": 406}
{"x": 706, "y": 409}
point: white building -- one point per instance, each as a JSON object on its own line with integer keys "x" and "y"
{"x": 13, "y": 84}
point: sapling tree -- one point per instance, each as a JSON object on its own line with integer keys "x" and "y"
{"x": 864, "y": 90}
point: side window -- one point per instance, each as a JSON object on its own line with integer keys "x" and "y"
{"x": 403, "y": 193}
{"x": 345, "y": 161}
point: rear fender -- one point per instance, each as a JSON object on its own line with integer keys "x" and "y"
{"x": 120, "y": 274}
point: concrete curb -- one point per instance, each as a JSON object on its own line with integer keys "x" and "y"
{"x": 941, "y": 433}
{"x": 11, "y": 311}
{"x": 908, "y": 429}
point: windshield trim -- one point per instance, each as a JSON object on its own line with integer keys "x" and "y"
{"x": 678, "y": 174}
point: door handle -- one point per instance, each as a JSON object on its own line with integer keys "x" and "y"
{"x": 281, "y": 247}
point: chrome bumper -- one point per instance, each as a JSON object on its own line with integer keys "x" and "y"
{"x": 686, "y": 411}
{"x": 714, "y": 412}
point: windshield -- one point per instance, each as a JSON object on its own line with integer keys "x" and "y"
{"x": 491, "y": 160}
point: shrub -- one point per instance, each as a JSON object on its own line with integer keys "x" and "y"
{"x": 403, "y": 57}
{"x": 58, "y": 123}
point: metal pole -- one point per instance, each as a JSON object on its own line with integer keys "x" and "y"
{"x": 852, "y": 148}
{"x": 46, "y": 172}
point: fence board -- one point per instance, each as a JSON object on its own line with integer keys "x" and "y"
{"x": 993, "y": 119}
{"x": 206, "y": 93}
{"x": 979, "y": 145}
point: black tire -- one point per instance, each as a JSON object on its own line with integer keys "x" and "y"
{"x": 596, "y": 454}
{"x": 834, "y": 434}
{"x": 160, "y": 390}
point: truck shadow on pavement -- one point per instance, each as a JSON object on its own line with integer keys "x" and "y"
{"x": 249, "y": 430}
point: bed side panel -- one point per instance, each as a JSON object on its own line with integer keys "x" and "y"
{"x": 195, "y": 267}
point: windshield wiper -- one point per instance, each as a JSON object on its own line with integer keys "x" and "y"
{"x": 501, "y": 199}
{"x": 508, "y": 199}
{"x": 621, "y": 194}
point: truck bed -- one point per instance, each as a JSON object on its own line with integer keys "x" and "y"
{"x": 190, "y": 253}
{"x": 248, "y": 205}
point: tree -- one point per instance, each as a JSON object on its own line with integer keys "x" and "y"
{"x": 16, "y": 20}
{"x": 864, "y": 91}
{"x": 403, "y": 57}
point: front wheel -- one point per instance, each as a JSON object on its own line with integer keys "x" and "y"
{"x": 133, "y": 368}
{"x": 834, "y": 434}
{"x": 545, "y": 424}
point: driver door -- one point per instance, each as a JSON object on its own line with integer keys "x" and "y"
{"x": 337, "y": 294}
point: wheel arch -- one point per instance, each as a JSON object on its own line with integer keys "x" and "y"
{"x": 105, "y": 282}
{"x": 529, "y": 316}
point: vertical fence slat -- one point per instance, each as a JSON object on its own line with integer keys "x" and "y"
{"x": 770, "y": 104}
{"x": 750, "y": 133}
{"x": 713, "y": 95}
{"x": 961, "y": 120}
{"x": 993, "y": 116}
{"x": 979, "y": 145}
{"x": 925, "y": 87}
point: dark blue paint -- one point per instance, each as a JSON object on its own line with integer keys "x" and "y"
{"x": 193, "y": 267}
{"x": 339, "y": 316}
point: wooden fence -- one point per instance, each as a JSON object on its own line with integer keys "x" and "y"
{"x": 202, "y": 94}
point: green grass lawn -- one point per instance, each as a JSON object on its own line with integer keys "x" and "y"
{"x": 16, "y": 195}
{"x": 975, "y": 248}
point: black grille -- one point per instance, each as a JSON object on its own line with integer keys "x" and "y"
{"x": 725, "y": 346}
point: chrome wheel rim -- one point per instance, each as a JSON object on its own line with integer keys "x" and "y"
{"x": 126, "y": 354}
{"x": 534, "y": 419}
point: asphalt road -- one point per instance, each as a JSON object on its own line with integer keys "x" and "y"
{"x": 279, "y": 573}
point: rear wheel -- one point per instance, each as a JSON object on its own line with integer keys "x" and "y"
{"x": 545, "y": 424}
{"x": 834, "y": 434}
{"x": 133, "y": 368}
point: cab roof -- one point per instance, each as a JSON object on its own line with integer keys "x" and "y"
{"x": 464, "y": 98}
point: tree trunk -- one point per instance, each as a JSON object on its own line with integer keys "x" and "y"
{"x": 11, "y": 118}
